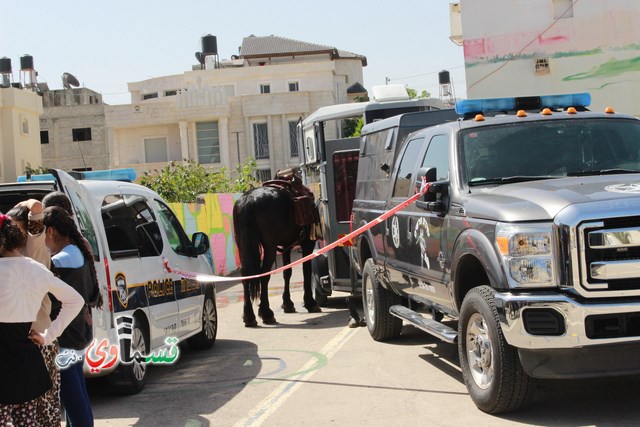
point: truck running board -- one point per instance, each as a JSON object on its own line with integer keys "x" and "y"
{"x": 430, "y": 326}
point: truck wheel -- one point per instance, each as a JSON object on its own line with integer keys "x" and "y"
{"x": 319, "y": 268}
{"x": 207, "y": 336}
{"x": 376, "y": 302}
{"x": 490, "y": 366}
{"x": 130, "y": 378}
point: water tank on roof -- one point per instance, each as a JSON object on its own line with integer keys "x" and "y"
{"x": 209, "y": 45}
{"x": 444, "y": 77}
{"x": 5, "y": 65}
{"x": 26, "y": 62}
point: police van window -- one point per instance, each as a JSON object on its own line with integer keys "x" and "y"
{"x": 404, "y": 178}
{"x": 178, "y": 240}
{"x": 84, "y": 222}
{"x": 147, "y": 231}
{"x": 437, "y": 156}
{"x": 130, "y": 227}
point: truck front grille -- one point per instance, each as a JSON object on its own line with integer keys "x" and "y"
{"x": 609, "y": 252}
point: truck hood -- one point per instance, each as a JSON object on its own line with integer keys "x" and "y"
{"x": 543, "y": 200}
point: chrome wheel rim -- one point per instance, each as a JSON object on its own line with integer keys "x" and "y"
{"x": 138, "y": 345}
{"x": 209, "y": 319}
{"x": 369, "y": 300}
{"x": 480, "y": 351}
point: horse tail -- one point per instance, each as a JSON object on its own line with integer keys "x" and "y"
{"x": 247, "y": 237}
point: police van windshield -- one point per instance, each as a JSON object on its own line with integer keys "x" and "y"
{"x": 551, "y": 149}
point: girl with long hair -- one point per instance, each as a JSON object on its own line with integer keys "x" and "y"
{"x": 25, "y": 282}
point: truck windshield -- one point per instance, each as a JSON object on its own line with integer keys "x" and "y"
{"x": 550, "y": 149}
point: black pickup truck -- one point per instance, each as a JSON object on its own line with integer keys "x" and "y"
{"x": 524, "y": 251}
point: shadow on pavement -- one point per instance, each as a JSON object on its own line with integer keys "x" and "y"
{"x": 199, "y": 383}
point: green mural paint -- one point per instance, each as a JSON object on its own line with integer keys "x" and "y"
{"x": 611, "y": 68}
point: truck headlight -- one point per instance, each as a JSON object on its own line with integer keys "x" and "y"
{"x": 527, "y": 253}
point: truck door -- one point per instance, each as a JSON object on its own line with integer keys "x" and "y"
{"x": 400, "y": 248}
{"x": 428, "y": 231}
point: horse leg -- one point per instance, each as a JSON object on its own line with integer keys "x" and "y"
{"x": 287, "y": 304}
{"x": 248, "y": 316}
{"x": 309, "y": 302}
{"x": 264, "y": 311}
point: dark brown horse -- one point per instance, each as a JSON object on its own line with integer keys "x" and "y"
{"x": 264, "y": 221}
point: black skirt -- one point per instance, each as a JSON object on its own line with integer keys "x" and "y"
{"x": 23, "y": 373}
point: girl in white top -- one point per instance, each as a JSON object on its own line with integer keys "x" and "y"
{"x": 24, "y": 284}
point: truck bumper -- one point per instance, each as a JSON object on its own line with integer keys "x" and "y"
{"x": 559, "y": 337}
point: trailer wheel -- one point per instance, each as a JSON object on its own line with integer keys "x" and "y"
{"x": 319, "y": 268}
{"x": 376, "y": 302}
{"x": 490, "y": 366}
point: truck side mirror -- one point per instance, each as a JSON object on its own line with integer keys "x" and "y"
{"x": 435, "y": 200}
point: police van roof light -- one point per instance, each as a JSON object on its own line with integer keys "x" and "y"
{"x": 125, "y": 174}
{"x": 468, "y": 106}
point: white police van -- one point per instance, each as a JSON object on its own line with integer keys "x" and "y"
{"x": 137, "y": 243}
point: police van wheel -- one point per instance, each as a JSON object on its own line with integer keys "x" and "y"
{"x": 490, "y": 366}
{"x": 130, "y": 378}
{"x": 207, "y": 336}
{"x": 376, "y": 302}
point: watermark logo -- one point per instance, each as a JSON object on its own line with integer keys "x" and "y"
{"x": 102, "y": 355}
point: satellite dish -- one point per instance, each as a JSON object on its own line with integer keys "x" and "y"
{"x": 69, "y": 80}
{"x": 199, "y": 57}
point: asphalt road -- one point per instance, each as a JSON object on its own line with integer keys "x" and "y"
{"x": 312, "y": 370}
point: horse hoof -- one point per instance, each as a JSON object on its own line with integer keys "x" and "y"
{"x": 250, "y": 323}
{"x": 271, "y": 321}
{"x": 288, "y": 308}
{"x": 314, "y": 309}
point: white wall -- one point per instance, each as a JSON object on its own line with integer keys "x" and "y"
{"x": 596, "y": 51}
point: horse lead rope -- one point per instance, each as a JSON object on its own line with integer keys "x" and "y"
{"x": 209, "y": 277}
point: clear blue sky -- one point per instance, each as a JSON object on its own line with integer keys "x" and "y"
{"x": 108, "y": 44}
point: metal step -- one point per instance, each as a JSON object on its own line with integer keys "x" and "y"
{"x": 430, "y": 326}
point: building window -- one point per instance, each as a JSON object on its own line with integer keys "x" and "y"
{"x": 208, "y": 140}
{"x": 562, "y": 9}
{"x": 150, "y": 95}
{"x": 293, "y": 87}
{"x": 265, "y": 88}
{"x": 24, "y": 128}
{"x": 81, "y": 134}
{"x": 293, "y": 139}
{"x": 261, "y": 140}
{"x": 44, "y": 137}
{"x": 542, "y": 66}
{"x": 155, "y": 150}
{"x": 170, "y": 92}
{"x": 263, "y": 175}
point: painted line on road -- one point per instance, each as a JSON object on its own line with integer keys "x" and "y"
{"x": 275, "y": 399}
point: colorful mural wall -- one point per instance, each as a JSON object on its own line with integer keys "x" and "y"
{"x": 215, "y": 217}
{"x": 536, "y": 47}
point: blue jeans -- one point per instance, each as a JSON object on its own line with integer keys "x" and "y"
{"x": 74, "y": 396}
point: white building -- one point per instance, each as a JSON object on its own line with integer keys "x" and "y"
{"x": 19, "y": 132}
{"x": 539, "y": 47}
{"x": 231, "y": 110}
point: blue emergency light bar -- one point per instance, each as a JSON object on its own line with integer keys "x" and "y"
{"x": 469, "y": 106}
{"x": 126, "y": 174}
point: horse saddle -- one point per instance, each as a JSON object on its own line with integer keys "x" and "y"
{"x": 304, "y": 207}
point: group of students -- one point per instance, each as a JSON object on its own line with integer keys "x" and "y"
{"x": 48, "y": 286}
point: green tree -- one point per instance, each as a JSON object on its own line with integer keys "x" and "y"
{"x": 38, "y": 170}
{"x": 413, "y": 94}
{"x": 183, "y": 182}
